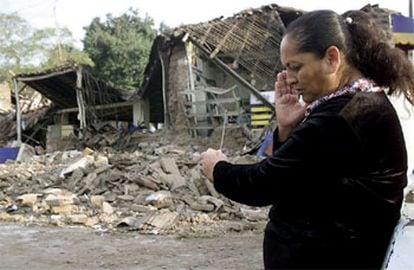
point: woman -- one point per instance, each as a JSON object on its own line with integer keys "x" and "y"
{"x": 339, "y": 165}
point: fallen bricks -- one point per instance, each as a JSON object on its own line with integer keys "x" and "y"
{"x": 158, "y": 192}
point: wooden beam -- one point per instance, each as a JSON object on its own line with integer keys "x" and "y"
{"x": 18, "y": 112}
{"x": 43, "y": 76}
{"x": 218, "y": 48}
{"x": 22, "y": 88}
{"x": 164, "y": 93}
{"x": 99, "y": 107}
{"x": 79, "y": 99}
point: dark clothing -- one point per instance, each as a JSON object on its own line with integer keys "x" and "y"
{"x": 336, "y": 186}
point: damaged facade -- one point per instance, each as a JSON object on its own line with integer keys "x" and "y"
{"x": 204, "y": 76}
{"x": 221, "y": 73}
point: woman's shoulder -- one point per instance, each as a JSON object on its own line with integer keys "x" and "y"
{"x": 332, "y": 106}
{"x": 365, "y": 104}
{"x": 360, "y": 103}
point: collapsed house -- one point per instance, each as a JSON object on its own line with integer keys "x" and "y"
{"x": 219, "y": 73}
{"x": 78, "y": 104}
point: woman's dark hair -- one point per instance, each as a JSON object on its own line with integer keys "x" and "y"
{"x": 364, "y": 45}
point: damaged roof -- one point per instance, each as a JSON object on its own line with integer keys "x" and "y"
{"x": 60, "y": 84}
{"x": 250, "y": 39}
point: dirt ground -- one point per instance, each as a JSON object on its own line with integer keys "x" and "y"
{"x": 38, "y": 247}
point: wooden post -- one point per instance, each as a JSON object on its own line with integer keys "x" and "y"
{"x": 137, "y": 112}
{"x": 164, "y": 93}
{"x": 79, "y": 99}
{"x": 146, "y": 107}
{"x": 18, "y": 112}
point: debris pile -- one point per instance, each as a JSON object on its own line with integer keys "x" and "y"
{"x": 155, "y": 189}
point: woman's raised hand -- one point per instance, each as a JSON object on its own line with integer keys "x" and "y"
{"x": 289, "y": 110}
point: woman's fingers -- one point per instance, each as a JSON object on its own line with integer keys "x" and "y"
{"x": 209, "y": 159}
{"x": 281, "y": 86}
{"x": 278, "y": 90}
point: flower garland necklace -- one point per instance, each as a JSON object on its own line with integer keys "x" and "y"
{"x": 360, "y": 85}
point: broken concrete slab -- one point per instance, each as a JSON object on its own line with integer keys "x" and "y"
{"x": 81, "y": 163}
{"x": 158, "y": 222}
{"x": 107, "y": 208}
{"x": 132, "y": 223}
{"x": 169, "y": 166}
{"x": 160, "y": 199}
{"x": 198, "y": 206}
{"x": 125, "y": 197}
{"x": 59, "y": 200}
{"x": 64, "y": 210}
{"x": 143, "y": 180}
{"x": 97, "y": 201}
{"x": 101, "y": 161}
{"x": 173, "y": 181}
{"x": 28, "y": 199}
{"x": 78, "y": 219}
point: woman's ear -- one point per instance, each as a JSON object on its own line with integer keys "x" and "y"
{"x": 332, "y": 59}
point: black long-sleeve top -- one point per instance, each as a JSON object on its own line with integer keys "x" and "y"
{"x": 337, "y": 180}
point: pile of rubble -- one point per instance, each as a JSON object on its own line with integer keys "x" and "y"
{"x": 154, "y": 189}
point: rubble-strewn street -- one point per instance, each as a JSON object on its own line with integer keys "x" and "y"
{"x": 69, "y": 248}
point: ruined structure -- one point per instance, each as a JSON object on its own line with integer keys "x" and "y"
{"x": 203, "y": 76}
{"x": 76, "y": 103}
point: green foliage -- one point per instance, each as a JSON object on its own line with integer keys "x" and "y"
{"x": 65, "y": 54}
{"x": 119, "y": 47}
{"x": 164, "y": 29}
{"x": 15, "y": 43}
{"x": 25, "y": 49}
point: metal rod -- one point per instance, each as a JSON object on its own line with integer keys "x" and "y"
{"x": 223, "y": 130}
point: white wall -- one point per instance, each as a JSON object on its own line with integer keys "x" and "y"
{"x": 406, "y": 113}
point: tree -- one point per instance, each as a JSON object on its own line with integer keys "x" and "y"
{"x": 15, "y": 33}
{"x": 65, "y": 54}
{"x": 164, "y": 29}
{"x": 59, "y": 49}
{"x": 120, "y": 47}
{"x": 25, "y": 49}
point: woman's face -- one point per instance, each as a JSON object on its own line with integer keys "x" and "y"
{"x": 306, "y": 73}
